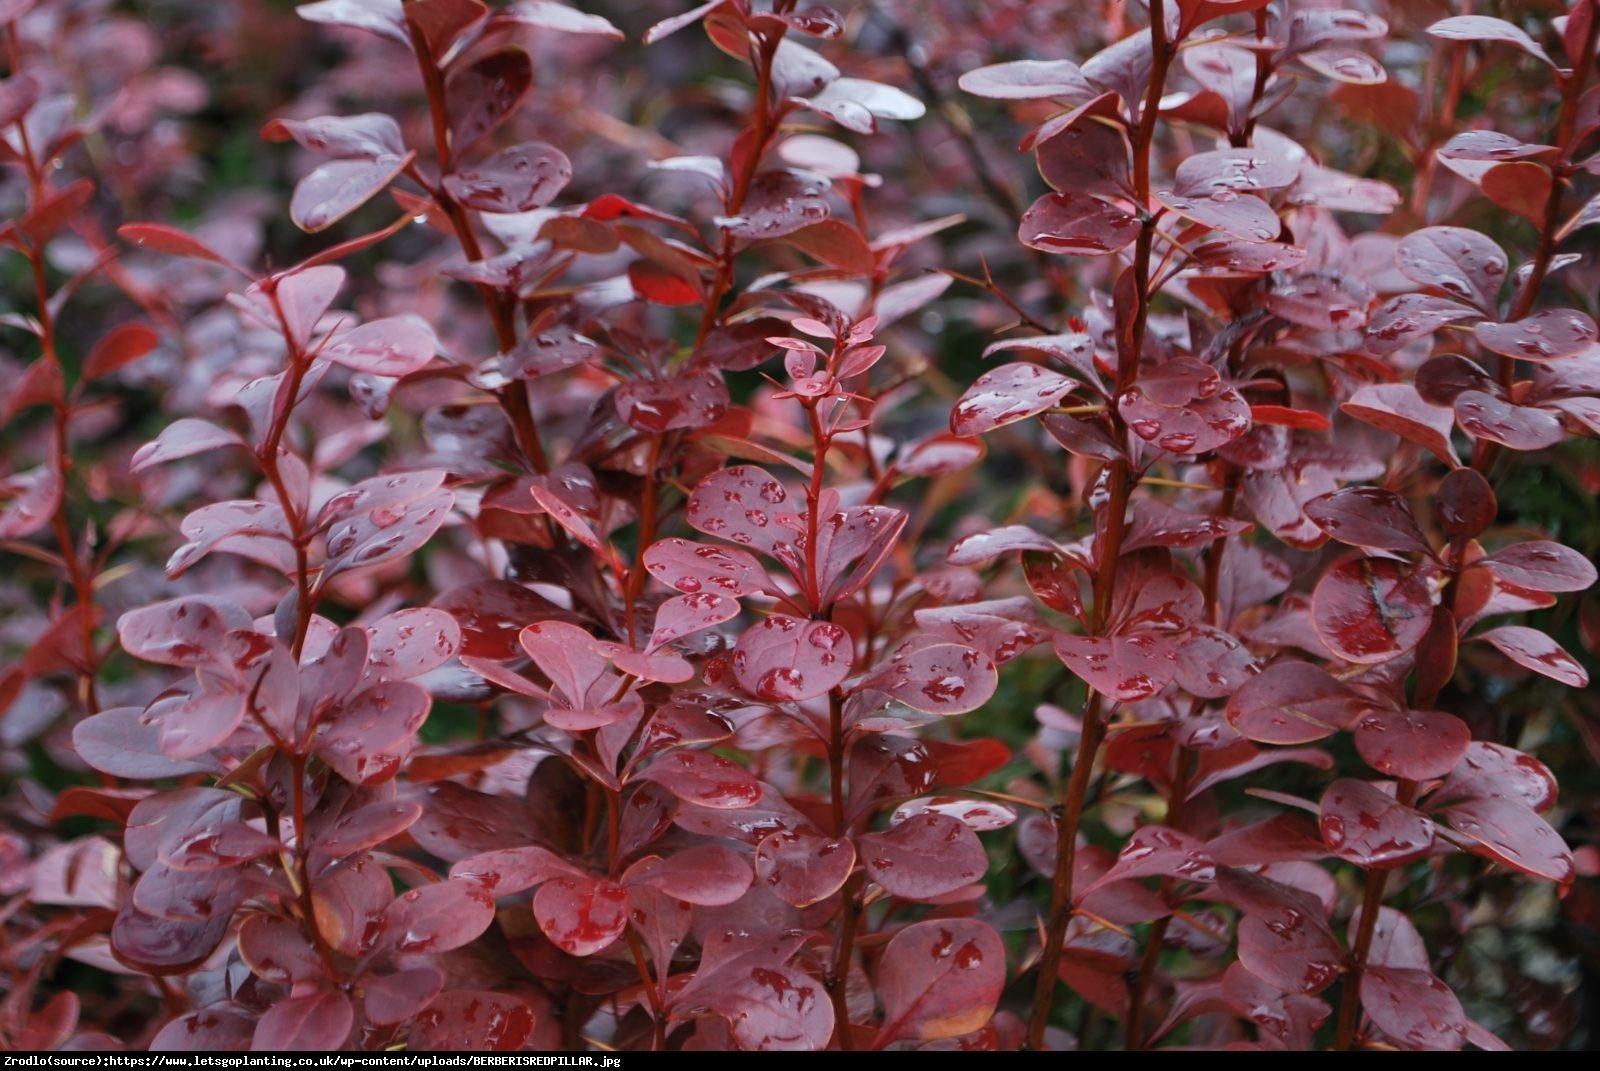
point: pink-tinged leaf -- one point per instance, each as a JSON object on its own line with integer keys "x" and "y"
{"x": 1204, "y": 174}
{"x": 396, "y": 347}
{"x": 1006, "y": 395}
{"x": 705, "y": 779}
{"x": 1542, "y": 566}
{"x": 386, "y": 534}
{"x": 122, "y": 743}
{"x": 691, "y": 399}
{"x": 319, "y": 1022}
{"x": 1369, "y": 517}
{"x": 506, "y": 871}
{"x": 1461, "y": 262}
{"x": 1000, "y": 628}
{"x": 1322, "y": 303}
{"x": 1512, "y": 834}
{"x": 549, "y": 351}
{"x": 1345, "y": 65}
{"x": 780, "y": 202}
{"x": 940, "y": 979}
{"x": 1521, "y": 187}
{"x": 686, "y": 615}
{"x": 1397, "y": 408}
{"x": 277, "y": 951}
{"x": 1239, "y": 215}
{"x": 852, "y": 545}
{"x": 706, "y": 874}
{"x": 1293, "y": 703}
{"x": 250, "y": 528}
{"x": 695, "y": 567}
{"x": 1466, "y": 505}
{"x": 214, "y": 1029}
{"x": 937, "y": 678}
{"x": 1158, "y": 525}
{"x": 1485, "y": 28}
{"x": 1290, "y": 1020}
{"x": 785, "y": 659}
{"x": 1157, "y": 851}
{"x": 1372, "y": 609}
{"x": 1028, "y": 80}
{"x": 518, "y": 179}
{"x": 491, "y": 615}
{"x": 409, "y": 643}
{"x": 1290, "y": 947}
{"x": 1212, "y": 664}
{"x": 337, "y": 188}
{"x": 1494, "y": 771}
{"x": 1126, "y": 668}
{"x": 1521, "y": 427}
{"x": 31, "y": 499}
{"x": 1076, "y": 225}
{"x": 442, "y": 23}
{"x": 483, "y": 95}
{"x": 370, "y": 736}
{"x": 390, "y": 999}
{"x": 677, "y": 22}
{"x": 1284, "y": 838}
{"x": 191, "y": 723}
{"x": 1086, "y": 158}
{"x": 1366, "y": 826}
{"x": 986, "y": 546}
{"x": 366, "y": 827}
{"x": 162, "y": 239}
{"x": 437, "y": 917}
{"x": 769, "y": 1007}
{"x": 1407, "y": 317}
{"x": 182, "y": 438}
{"x": 1195, "y": 425}
{"x": 386, "y": 18}
{"x": 470, "y": 1021}
{"x": 939, "y": 455}
{"x": 1491, "y": 145}
{"x": 1416, "y": 745}
{"x": 581, "y": 915}
{"x": 552, "y": 16}
{"x": 979, "y": 815}
{"x": 186, "y": 632}
{"x": 119, "y": 347}
{"x": 1532, "y": 649}
{"x": 1551, "y": 335}
{"x": 924, "y": 857}
{"x": 746, "y": 505}
{"x": 801, "y": 867}
{"x": 368, "y": 136}
{"x": 856, "y": 104}
{"x": 569, "y": 656}
{"x": 1413, "y": 1008}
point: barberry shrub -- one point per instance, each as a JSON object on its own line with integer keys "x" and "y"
{"x": 663, "y": 567}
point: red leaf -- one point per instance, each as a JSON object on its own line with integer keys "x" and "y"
{"x": 1293, "y": 703}
{"x": 317, "y": 1023}
{"x": 705, "y": 779}
{"x": 471, "y": 1021}
{"x": 1534, "y": 650}
{"x": 706, "y": 874}
{"x": 1372, "y": 609}
{"x": 1416, "y": 745}
{"x": 784, "y": 659}
{"x": 1414, "y": 1009}
{"x": 940, "y": 979}
{"x": 582, "y": 915}
{"x": 483, "y": 95}
{"x": 1366, "y": 826}
{"x": 1076, "y": 224}
{"x": 802, "y": 867}
{"x": 1369, "y": 517}
{"x": 1509, "y": 832}
{"x": 337, "y": 188}
{"x": 924, "y": 857}
{"x": 437, "y": 917}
